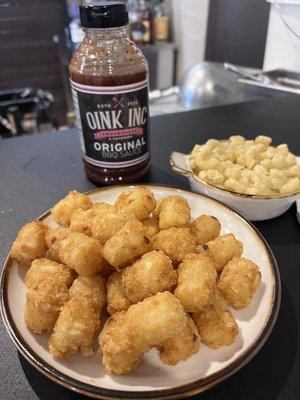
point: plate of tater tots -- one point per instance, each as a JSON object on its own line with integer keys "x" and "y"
{"x": 139, "y": 292}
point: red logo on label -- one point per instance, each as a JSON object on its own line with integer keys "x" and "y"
{"x": 118, "y": 103}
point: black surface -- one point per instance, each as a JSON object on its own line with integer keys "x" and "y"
{"x": 36, "y": 171}
{"x": 237, "y": 32}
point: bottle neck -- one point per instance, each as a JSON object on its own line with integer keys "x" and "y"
{"x": 107, "y": 33}
{"x": 160, "y": 7}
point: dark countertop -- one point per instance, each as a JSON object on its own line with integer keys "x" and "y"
{"x": 36, "y": 171}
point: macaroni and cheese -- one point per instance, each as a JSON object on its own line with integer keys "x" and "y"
{"x": 251, "y": 167}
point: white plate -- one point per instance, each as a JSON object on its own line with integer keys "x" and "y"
{"x": 153, "y": 379}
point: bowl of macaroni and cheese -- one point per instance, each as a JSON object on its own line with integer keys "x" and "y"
{"x": 258, "y": 180}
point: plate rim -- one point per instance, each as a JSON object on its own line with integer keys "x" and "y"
{"x": 182, "y": 391}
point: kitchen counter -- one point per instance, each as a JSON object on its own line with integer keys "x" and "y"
{"x": 37, "y": 170}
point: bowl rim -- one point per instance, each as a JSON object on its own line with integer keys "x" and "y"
{"x": 182, "y": 391}
{"x": 191, "y": 174}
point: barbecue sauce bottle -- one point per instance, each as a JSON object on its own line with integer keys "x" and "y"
{"x": 109, "y": 81}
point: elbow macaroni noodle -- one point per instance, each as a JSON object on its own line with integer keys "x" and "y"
{"x": 252, "y": 167}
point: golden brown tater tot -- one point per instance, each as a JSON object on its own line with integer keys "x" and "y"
{"x": 155, "y": 319}
{"x": 116, "y": 299}
{"x": 91, "y": 288}
{"x": 182, "y": 346}
{"x": 151, "y": 274}
{"x": 74, "y": 329}
{"x": 64, "y": 209}
{"x": 205, "y": 228}
{"x": 139, "y": 202}
{"x": 30, "y": 243}
{"x": 216, "y": 324}
{"x": 80, "y": 252}
{"x": 222, "y": 250}
{"x": 196, "y": 282}
{"x": 43, "y": 303}
{"x": 238, "y": 282}
{"x": 127, "y": 245}
{"x": 43, "y": 268}
{"x": 174, "y": 213}
{"x": 176, "y": 243}
{"x": 119, "y": 353}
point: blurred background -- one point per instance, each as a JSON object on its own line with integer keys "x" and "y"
{"x": 186, "y": 43}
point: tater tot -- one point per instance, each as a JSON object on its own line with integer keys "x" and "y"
{"x": 53, "y": 237}
{"x": 139, "y": 202}
{"x": 205, "y": 228}
{"x": 151, "y": 226}
{"x": 119, "y": 353}
{"x": 30, "y": 243}
{"x": 116, "y": 299}
{"x": 151, "y": 274}
{"x": 238, "y": 282}
{"x": 176, "y": 243}
{"x": 127, "y": 245}
{"x": 174, "y": 213}
{"x": 81, "y": 221}
{"x": 196, "y": 282}
{"x": 64, "y": 209}
{"x": 74, "y": 329}
{"x": 107, "y": 224}
{"x": 182, "y": 346}
{"x": 43, "y": 268}
{"x": 155, "y": 319}
{"x": 216, "y": 324}
{"x": 222, "y": 250}
{"x": 91, "y": 288}
{"x": 80, "y": 252}
{"x": 43, "y": 302}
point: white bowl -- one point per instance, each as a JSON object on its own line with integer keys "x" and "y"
{"x": 153, "y": 379}
{"x": 254, "y": 208}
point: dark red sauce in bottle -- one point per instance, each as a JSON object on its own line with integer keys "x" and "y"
{"x": 109, "y": 79}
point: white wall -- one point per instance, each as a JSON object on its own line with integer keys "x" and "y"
{"x": 282, "y": 46}
{"x": 190, "y": 19}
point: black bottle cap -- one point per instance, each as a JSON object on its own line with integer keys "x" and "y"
{"x": 103, "y": 14}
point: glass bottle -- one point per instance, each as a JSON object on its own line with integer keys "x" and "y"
{"x": 136, "y": 27}
{"x": 161, "y": 23}
{"x": 146, "y": 17}
{"x": 109, "y": 79}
